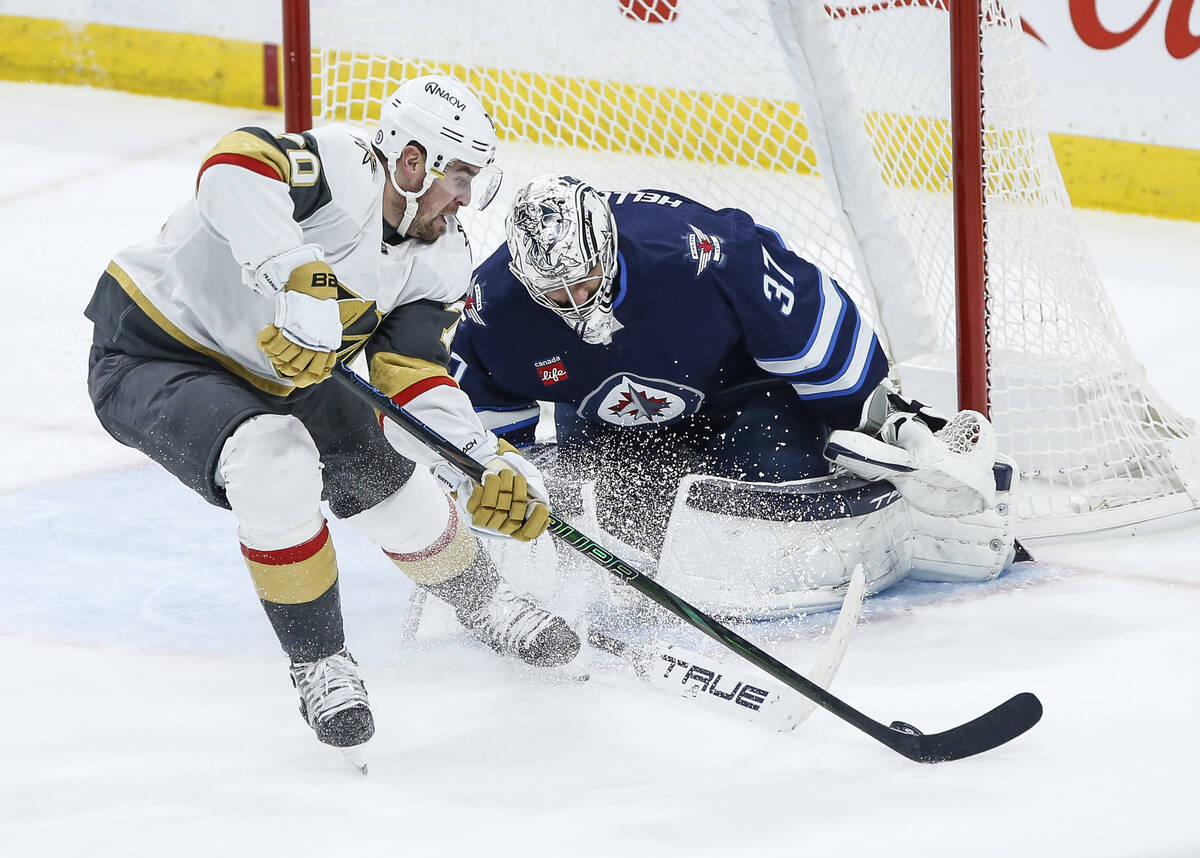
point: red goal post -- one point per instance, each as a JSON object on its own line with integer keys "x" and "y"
{"x": 897, "y": 143}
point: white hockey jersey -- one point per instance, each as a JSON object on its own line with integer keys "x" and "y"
{"x": 259, "y": 195}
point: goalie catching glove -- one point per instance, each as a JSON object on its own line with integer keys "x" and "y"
{"x": 511, "y": 501}
{"x": 302, "y": 343}
{"x": 941, "y": 467}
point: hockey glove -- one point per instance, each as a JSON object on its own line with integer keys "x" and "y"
{"x": 511, "y": 501}
{"x": 302, "y": 344}
{"x": 506, "y": 501}
{"x": 948, "y": 472}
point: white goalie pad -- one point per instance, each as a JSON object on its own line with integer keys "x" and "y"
{"x": 974, "y": 547}
{"x": 766, "y": 550}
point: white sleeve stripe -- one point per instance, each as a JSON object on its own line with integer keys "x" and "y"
{"x": 851, "y": 377}
{"x": 820, "y": 346}
{"x": 499, "y": 421}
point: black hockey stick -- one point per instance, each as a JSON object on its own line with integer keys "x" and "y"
{"x": 1007, "y": 721}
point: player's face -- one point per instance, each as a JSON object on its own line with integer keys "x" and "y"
{"x": 579, "y": 292}
{"x": 443, "y": 199}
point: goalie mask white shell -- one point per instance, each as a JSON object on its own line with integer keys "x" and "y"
{"x": 449, "y": 122}
{"x": 559, "y": 230}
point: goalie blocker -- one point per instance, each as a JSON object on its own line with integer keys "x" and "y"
{"x": 911, "y": 502}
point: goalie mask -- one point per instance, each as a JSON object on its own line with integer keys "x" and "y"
{"x": 561, "y": 233}
{"x": 449, "y": 122}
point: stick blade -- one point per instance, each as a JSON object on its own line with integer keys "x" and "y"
{"x": 990, "y": 730}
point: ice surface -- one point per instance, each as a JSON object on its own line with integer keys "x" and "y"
{"x": 147, "y": 712}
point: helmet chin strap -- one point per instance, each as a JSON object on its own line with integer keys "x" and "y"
{"x": 411, "y": 198}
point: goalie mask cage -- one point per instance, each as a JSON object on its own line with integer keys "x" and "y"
{"x": 940, "y": 209}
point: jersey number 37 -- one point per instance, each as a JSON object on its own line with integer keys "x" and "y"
{"x": 773, "y": 289}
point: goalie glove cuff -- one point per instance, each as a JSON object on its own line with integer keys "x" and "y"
{"x": 866, "y": 456}
{"x": 884, "y": 404}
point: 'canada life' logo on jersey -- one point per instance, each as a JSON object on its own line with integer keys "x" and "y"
{"x": 704, "y": 249}
{"x": 551, "y": 371}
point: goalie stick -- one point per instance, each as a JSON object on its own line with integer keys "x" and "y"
{"x": 1001, "y": 724}
{"x": 706, "y": 680}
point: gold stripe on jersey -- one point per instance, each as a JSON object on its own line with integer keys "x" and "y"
{"x": 144, "y": 304}
{"x": 392, "y": 373}
{"x": 250, "y": 151}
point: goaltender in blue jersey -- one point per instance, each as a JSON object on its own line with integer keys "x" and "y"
{"x": 706, "y": 310}
{"x": 676, "y": 339}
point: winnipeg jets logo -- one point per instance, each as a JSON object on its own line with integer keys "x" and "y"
{"x": 626, "y": 400}
{"x": 704, "y": 249}
{"x": 639, "y": 406}
{"x": 473, "y": 309}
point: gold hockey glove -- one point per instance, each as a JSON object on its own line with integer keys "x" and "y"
{"x": 293, "y": 361}
{"x": 504, "y": 501}
{"x": 302, "y": 344}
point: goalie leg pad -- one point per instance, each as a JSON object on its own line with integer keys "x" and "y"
{"x": 974, "y": 547}
{"x": 765, "y": 550}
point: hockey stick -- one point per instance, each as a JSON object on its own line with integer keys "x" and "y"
{"x": 826, "y": 667}
{"x": 1002, "y": 724}
{"x": 708, "y": 681}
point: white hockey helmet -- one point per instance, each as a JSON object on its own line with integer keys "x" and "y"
{"x": 559, "y": 230}
{"x": 450, "y": 124}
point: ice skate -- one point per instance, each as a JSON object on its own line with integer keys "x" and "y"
{"x": 333, "y": 700}
{"x": 513, "y": 624}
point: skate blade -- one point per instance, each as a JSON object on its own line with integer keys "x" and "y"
{"x": 355, "y": 757}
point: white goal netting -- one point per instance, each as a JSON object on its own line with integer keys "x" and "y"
{"x": 828, "y": 122}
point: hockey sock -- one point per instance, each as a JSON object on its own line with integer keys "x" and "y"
{"x": 454, "y": 567}
{"x": 468, "y": 591}
{"x": 298, "y": 589}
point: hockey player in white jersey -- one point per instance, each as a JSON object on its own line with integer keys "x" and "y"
{"x": 213, "y": 339}
{"x": 676, "y": 340}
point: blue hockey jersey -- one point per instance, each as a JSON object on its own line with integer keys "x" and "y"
{"x": 708, "y": 300}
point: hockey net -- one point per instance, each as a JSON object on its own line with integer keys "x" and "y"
{"x": 831, "y": 124}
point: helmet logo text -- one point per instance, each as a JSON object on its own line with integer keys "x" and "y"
{"x": 434, "y": 89}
